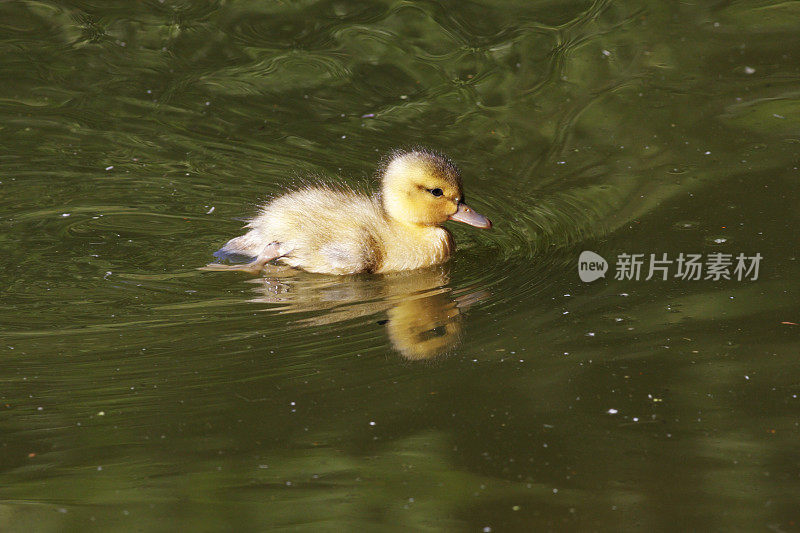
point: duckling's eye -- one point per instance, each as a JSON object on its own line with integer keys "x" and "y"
{"x": 436, "y": 192}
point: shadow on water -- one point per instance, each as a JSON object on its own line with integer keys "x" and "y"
{"x": 422, "y": 313}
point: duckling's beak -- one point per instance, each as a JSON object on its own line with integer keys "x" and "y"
{"x": 466, "y": 215}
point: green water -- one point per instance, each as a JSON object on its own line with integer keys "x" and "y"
{"x": 495, "y": 393}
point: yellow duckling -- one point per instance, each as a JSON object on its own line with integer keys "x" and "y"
{"x": 325, "y": 230}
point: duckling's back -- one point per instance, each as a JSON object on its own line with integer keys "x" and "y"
{"x": 319, "y": 229}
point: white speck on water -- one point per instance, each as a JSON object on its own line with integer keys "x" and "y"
{"x": 612, "y": 411}
{"x": 292, "y": 403}
{"x": 635, "y": 418}
{"x": 606, "y": 53}
{"x": 288, "y": 483}
{"x": 720, "y": 240}
{"x": 403, "y": 97}
{"x": 208, "y": 103}
{"x": 590, "y": 334}
{"x": 344, "y": 136}
{"x": 487, "y": 529}
{"x": 101, "y": 413}
{"x": 210, "y": 210}
{"x": 109, "y": 167}
{"x": 65, "y": 214}
{"x": 749, "y": 70}
{"x": 707, "y": 153}
{"x": 555, "y": 491}
{"x": 747, "y": 377}
{"x": 371, "y": 423}
{"x": 40, "y": 408}
{"x": 777, "y": 115}
{"x": 99, "y": 468}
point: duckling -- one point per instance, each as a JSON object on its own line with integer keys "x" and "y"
{"x": 339, "y": 231}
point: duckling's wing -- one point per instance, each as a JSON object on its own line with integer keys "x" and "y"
{"x": 359, "y": 253}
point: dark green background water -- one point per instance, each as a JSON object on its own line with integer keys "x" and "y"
{"x": 141, "y": 394}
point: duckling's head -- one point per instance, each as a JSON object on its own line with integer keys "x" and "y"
{"x": 422, "y": 188}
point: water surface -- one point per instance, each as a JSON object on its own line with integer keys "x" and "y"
{"x": 494, "y": 393}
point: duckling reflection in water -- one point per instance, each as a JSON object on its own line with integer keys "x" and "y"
{"x": 423, "y": 315}
{"x": 339, "y": 231}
